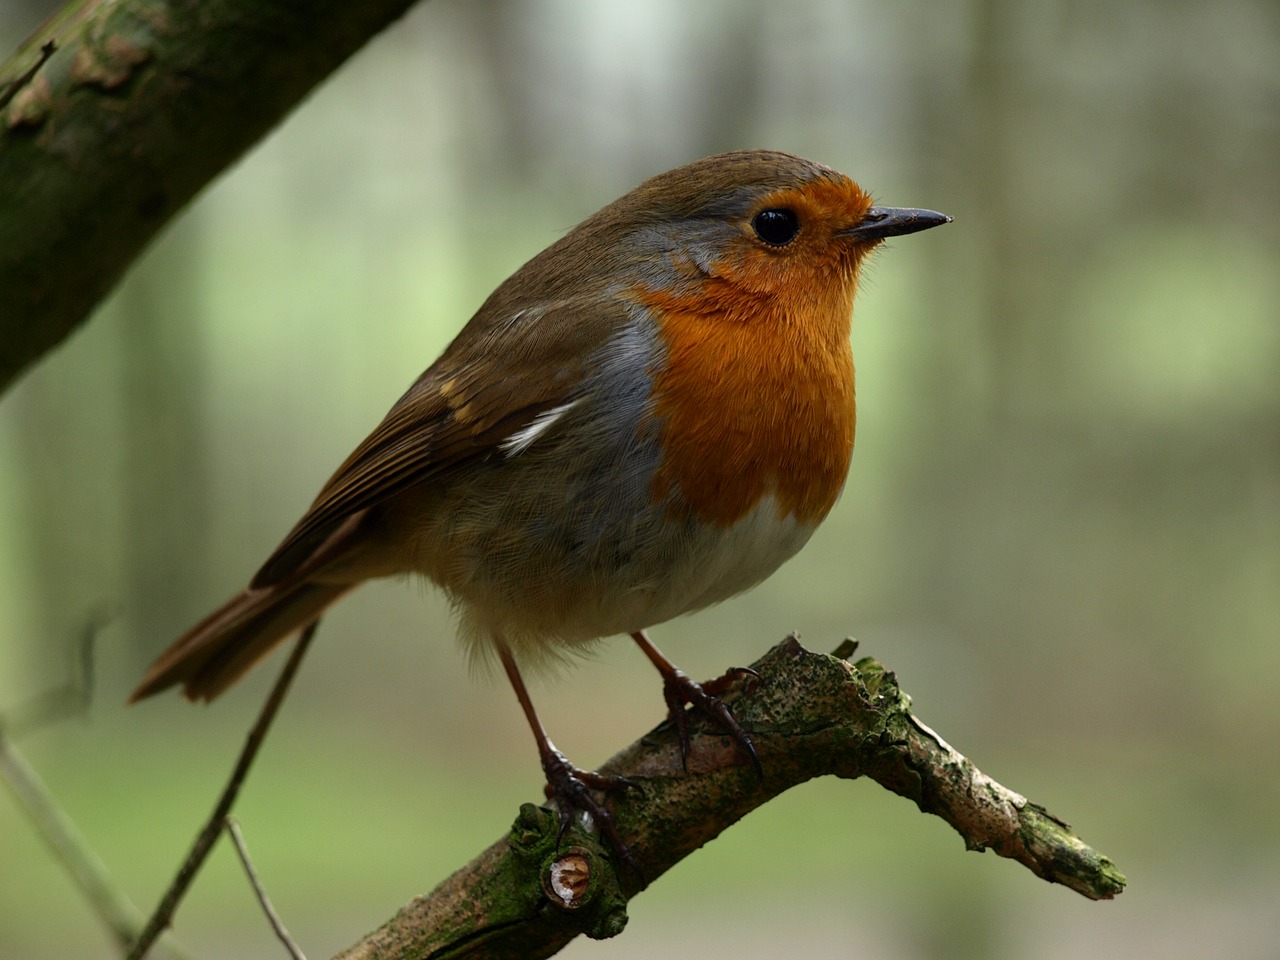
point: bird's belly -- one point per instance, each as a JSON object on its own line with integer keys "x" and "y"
{"x": 540, "y": 585}
{"x": 720, "y": 562}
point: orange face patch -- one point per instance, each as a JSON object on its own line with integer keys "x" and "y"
{"x": 756, "y": 395}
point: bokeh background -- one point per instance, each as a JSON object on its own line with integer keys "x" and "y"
{"x": 1062, "y": 527}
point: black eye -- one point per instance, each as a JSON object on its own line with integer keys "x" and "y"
{"x": 776, "y": 227}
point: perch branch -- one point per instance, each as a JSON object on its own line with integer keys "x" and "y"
{"x": 810, "y": 715}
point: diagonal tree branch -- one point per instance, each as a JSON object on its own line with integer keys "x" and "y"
{"x": 117, "y": 112}
{"x": 810, "y": 715}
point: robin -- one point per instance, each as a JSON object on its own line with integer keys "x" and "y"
{"x": 648, "y": 417}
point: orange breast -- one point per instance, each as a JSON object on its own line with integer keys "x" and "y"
{"x": 756, "y": 396}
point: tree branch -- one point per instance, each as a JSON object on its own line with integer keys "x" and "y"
{"x": 810, "y": 715}
{"x": 116, "y": 112}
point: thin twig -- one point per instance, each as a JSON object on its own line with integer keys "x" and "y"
{"x": 120, "y": 915}
{"x": 237, "y": 838}
{"x": 212, "y": 829}
{"x": 47, "y": 50}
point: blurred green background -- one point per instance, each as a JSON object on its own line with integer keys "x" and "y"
{"x": 1062, "y": 527}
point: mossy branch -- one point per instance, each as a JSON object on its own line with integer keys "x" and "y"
{"x": 810, "y": 715}
{"x": 115, "y": 113}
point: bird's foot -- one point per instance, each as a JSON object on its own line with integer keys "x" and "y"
{"x": 571, "y": 791}
{"x": 678, "y": 690}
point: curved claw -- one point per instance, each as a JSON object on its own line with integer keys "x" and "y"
{"x": 678, "y": 691}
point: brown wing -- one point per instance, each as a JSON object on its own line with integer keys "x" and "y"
{"x": 493, "y": 380}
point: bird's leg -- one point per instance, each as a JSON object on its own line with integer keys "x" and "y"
{"x": 569, "y": 787}
{"x": 678, "y": 690}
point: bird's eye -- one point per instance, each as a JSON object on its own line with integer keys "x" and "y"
{"x": 776, "y": 227}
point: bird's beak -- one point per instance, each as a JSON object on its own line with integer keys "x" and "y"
{"x": 881, "y": 222}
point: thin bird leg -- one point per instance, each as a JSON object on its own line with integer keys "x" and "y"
{"x": 569, "y": 787}
{"x": 678, "y": 690}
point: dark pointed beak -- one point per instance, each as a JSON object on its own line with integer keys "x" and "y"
{"x": 881, "y": 222}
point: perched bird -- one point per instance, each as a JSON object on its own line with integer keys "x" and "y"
{"x": 648, "y": 417}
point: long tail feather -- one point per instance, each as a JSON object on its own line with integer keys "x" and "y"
{"x": 220, "y": 649}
